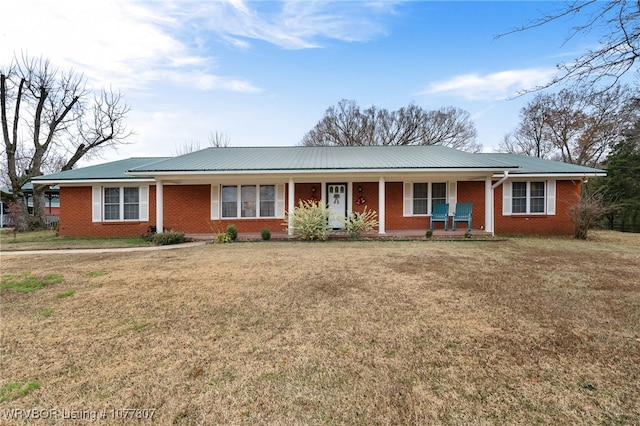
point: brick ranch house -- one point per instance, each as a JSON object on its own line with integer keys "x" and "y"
{"x": 202, "y": 192}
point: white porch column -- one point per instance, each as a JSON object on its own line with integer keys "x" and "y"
{"x": 159, "y": 207}
{"x": 381, "y": 205}
{"x": 291, "y": 201}
{"x": 488, "y": 205}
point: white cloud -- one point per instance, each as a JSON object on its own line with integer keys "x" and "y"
{"x": 206, "y": 81}
{"x": 131, "y": 44}
{"x": 495, "y": 86}
{"x": 295, "y": 24}
{"x": 122, "y": 43}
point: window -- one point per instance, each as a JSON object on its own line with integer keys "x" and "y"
{"x": 229, "y": 201}
{"x": 112, "y": 204}
{"x": 421, "y": 198}
{"x": 519, "y": 197}
{"x": 528, "y": 197}
{"x": 438, "y": 193}
{"x": 131, "y": 203}
{"x": 121, "y": 203}
{"x": 267, "y": 201}
{"x": 536, "y": 197}
{"x": 249, "y": 201}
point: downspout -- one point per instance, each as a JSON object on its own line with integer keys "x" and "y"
{"x": 502, "y": 179}
{"x": 493, "y": 201}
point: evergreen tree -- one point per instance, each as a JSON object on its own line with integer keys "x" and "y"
{"x": 621, "y": 186}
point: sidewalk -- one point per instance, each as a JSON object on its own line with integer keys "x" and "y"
{"x": 98, "y": 250}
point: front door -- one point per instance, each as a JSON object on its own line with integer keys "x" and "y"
{"x": 337, "y": 203}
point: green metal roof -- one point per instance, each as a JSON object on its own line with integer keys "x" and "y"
{"x": 300, "y": 158}
{"x": 111, "y": 170}
{"x": 535, "y": 165}
{"x": 283, "y": 159}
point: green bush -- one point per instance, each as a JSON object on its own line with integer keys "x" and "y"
{"x": 232, "y": 232}
{"x": 168, "y": 237}
{"x": 355, "y": 224}
{"x": 222, "y": 238}
{"x": 429, "y": 234}
{"x": 310, "y": 220}
{"x": 266, "y": 234}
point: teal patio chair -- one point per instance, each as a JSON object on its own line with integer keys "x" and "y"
{"x": 440, "y": 214}
{"x": 462, "y": 214}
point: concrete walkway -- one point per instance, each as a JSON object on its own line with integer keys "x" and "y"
{"x": 201, "y": 239}
{"x": 100, "y": 250}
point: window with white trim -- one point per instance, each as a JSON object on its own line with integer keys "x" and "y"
{"x": 438, "y": 193}
{"x": 527, "y": 197}
{"x": 428, "y": 194}
{"x": 420, "y": 198}
{"x": 121, "y": 203}
{"x": 248, "y": 201}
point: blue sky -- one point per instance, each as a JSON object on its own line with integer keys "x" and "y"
{"x": 263, "y": 72}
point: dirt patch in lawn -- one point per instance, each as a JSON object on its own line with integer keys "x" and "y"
{"x": 526, "y": 330}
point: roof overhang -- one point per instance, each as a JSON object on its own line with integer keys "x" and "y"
{"x": 552, "y": 175}
{"x": 88, "y": 182}
{"x": 289, "y": 172}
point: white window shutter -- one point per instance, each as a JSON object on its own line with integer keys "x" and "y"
{"x": 506, "y": 199}
{"x": 551, "y": 197}
{"x": 215, "y": 202}
{"x": 280, "y": 196}
{"x": 408, "y": 199}
{"x": 144, "y": 203}
{"x": 453, "y": 196}
{"x": 96, "y": 204}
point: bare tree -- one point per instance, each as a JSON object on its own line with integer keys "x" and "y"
{"x": 575, "y": 126}
{"x": 50, "y": 121}
{"x": 219, "y": 140}
{"x": 401, "y": 127}
{"x": 588, "y": 213}
{"x": 347, "y": 125}
{"x": 216, "y": 139}
{"x": 451, "y": 127}
{"x": 186, "y": 148}
{"x": 343, "y": 125}
{"x": 618, "y": 51}
{"x": 531, "y": 137}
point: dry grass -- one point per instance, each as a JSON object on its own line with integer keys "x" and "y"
{"x": 518, "y": 332}
{"x": 48, "y": 240}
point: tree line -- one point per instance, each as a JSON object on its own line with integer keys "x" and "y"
{"x": 346, "y": 124}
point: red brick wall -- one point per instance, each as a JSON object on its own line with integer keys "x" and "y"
{"x": 304, "y": 191}
{"x": 567, "y": 194}
{"x": 394, "y": 200}
{"x": 472, "y": 192}
{"x": 196, "y": 219}
{"x": 75, "y": 216}
{"x": 468, "y": 192}
{"x": 369, "y": 194}
{"x": 187, "y": 209}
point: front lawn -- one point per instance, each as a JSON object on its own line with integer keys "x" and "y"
{"x": 523, "y": 331}
{"x": 47, "y": 240}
